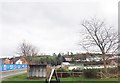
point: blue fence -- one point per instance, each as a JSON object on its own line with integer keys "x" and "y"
{"x": 7, "y": 67}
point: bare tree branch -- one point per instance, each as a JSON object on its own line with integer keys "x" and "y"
{"x": 100, "y": 35}
{"x": 28, "y": 49}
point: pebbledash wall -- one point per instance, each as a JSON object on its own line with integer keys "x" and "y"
{"x": 38, "y": 70}
{"x": 7, "y": 67}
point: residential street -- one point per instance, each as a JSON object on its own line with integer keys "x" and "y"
{"x": 8, "y": 74}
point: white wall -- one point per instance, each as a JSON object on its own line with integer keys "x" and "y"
{"x": 18, "y": 62}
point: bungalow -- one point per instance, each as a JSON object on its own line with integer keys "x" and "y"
{"x": 113, "y": 62}
{"x": 22, "y": 60}
{"x": 68, "y": 58}
{"x": 96, "y": 59}
{"x": 18, "y": 60}
{"x": 65, "y": 64}
{"x": 14, "y": 59}
{"x": 5, "y": 60}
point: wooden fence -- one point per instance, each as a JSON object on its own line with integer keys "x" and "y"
{"x": 69, "y": 74}
{"x": 75, "y": 74}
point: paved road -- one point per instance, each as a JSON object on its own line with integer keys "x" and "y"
{"x": 7, "y": 74}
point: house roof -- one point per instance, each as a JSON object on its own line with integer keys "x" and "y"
{"x": 38, "y": 64}
{"x": 67, "y": 56}
{"x": 2, "y": 60}
{"x": 65, "y": 63}
{"x": 14, "y": 59}
{"x": 117, "y": 60}
{"x": 35, "y": 60}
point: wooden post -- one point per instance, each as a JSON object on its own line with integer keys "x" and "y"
{"x": 101, "y": 74}
{"x": 73, "y": 74}
{"x": 42, "y": 72}
{"x": 38, "y": 72}
{"x": 28, "y": 71}
{"x": 61, "y": 74}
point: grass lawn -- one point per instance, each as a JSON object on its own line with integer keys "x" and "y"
{"x": 23, "y": 79}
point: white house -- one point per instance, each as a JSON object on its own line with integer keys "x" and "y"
{"x": 68, "y": 58}
{"x": 18, "y": 62}
{"x": 65, "y": 63}
{"x": 75, "y": 67}
{"x": 93, "y": 59}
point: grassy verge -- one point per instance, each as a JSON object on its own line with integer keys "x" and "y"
{"x": 23, "y": 79}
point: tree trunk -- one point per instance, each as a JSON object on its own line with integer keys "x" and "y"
{"x": 105, "y": 64}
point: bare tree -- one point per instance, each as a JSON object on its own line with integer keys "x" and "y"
{"x": 26, "y": 49}
{"x": 99, "y": 35}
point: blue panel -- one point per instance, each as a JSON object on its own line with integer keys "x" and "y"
{"x": 0, "y": 68}
{"x": 7, "y": 67}
{"x": 11, "y": 67}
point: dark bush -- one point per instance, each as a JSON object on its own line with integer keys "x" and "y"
{"x": 113, "y": 70}
{"x": 76, "y": 70}
{"x": 63, "y": 74}
{"x": 90, "y": 73}
{"x": 62, "y": 70}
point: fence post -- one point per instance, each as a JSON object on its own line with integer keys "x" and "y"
{"x": 101, "y": 74}
{"x": 61, "y": 74}
{"x": 73, "y": 74}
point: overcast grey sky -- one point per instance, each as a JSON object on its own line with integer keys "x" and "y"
{"x": 52, "y": 26}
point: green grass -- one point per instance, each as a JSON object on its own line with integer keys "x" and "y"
{"x": 23, "y": 79}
